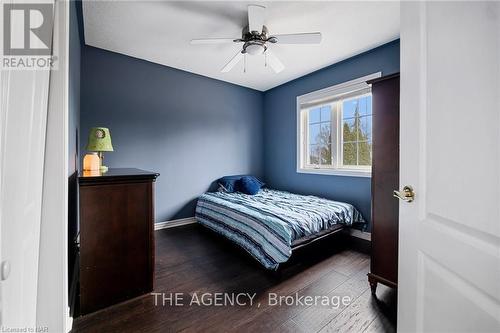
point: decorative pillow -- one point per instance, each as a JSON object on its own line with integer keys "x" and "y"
{"x": 250, "y": 185}
{"x": 229, "y": 184}
{"x": 261, "y": 183}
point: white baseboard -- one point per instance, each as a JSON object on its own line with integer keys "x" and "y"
{"x": 69, "y": 322}
{"x": 360, "y": 234}
{"x": 174, "y": 223}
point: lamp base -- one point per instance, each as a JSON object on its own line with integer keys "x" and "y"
{"x": 103, "y": 168}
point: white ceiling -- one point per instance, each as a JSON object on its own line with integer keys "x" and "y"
{"x": 160, "y": 31}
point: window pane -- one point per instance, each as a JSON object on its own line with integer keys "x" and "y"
{"x": 314, "y": 115}
{"x": 356, "y": 134}
{"x": 326, "y": 154}
{"x": 363, "y": 103}
{"x": 365, "y": 106}
{"x": 314, "y": 134}
{"x": 362, "y": 106}
{"x": 326, "y": 113}
{"x": 314, "y": 154}
{"x": 365, "y": 153}
{"x": 350, "y": 154}
{"x": 349, "y": 130}
{"x": 326, "y": 144}
{"x": 349, "y": 108}
{"x": 326, "y": 133}
{"x": 365, "y": 129}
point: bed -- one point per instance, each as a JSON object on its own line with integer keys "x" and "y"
{"x": 271, "y": 224}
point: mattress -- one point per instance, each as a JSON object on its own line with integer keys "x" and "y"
{"x": 268, "y": 224}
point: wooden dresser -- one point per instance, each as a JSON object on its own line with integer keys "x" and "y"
{"x": 385, "y": 179}
{"x": 116, "y": 237}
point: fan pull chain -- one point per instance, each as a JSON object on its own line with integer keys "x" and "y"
{"x": 265, "y": 59}
{"x": 245, "y": 63}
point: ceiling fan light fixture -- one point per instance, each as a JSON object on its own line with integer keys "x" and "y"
{"x": 254, "y": 48}
{"x": 255, "y": 38}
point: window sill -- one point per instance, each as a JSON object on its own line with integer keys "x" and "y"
{"x": 337, "y": 172}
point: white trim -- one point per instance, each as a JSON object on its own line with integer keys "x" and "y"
{"x": 69, "y": 323}
{"x": 52, "y": 308}
{"x": 325, "y": 95}
{"x": 175, "y": 223}
{"x": 336, "y": 172}
{"x": 2, "y": 133}
{"x": 338, "y": 89}
{"x": 360, "y": 234}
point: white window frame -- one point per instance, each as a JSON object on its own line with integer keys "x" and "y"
{"x": 329, "y": 95}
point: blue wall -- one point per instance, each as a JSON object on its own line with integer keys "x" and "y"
{"x": 193, "y": 129}
{"x": 189, "y": 128}
{"x": 280, "y": 129}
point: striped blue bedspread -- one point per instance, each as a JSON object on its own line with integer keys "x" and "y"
{"x": 266, "y": 224}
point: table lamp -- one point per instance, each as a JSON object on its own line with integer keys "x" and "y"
{"x": 99, "y": 141}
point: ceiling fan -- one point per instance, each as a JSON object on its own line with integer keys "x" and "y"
{"x": 256, "y": 39}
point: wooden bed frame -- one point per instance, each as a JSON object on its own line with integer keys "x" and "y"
{"x": 296, "y": 245}
{"x": 304, "y": 241}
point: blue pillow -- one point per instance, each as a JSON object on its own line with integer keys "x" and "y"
{"x": 250, "y": 185}
{"x": 261, "y": 183}
{"x": 229, "y": 184}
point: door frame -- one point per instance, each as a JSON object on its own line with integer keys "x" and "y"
{"x": 2, "y": 121}
{"x": 411, "y": 91}
{"x": 53, "y": 291}
{"x": 51, "y": 288}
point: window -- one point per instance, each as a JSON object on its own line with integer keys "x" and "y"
{"x": 335, "y": 129}
{"x": 356, "y": 134}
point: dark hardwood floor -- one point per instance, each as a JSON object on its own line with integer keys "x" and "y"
{"x": 192, "y": 261}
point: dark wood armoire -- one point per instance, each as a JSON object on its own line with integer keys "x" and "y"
{"x": 385, "y": 179}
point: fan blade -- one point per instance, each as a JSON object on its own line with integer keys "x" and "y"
{"x": 305, "y": 38}
{"x": 233, "y": 62}
{"x": 212, "y": 40}
{"x": 274, "y": 62}
{"x": 256, "y": 18}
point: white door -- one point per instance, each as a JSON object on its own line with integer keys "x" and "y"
{"x": 449, "y": 245}
{"x": 23, "y": 125}
{"x": 23, "y": 118}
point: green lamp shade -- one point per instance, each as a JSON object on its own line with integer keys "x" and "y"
{"x": 99, "y": 140}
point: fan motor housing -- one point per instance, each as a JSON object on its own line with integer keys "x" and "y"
{"x": 247, "y": 35}
{"x": 254, "y": 43}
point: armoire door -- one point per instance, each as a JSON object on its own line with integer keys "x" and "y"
{"x": 385, "y": 178}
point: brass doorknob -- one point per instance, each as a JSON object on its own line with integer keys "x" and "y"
{"x": 406, "y": 195}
